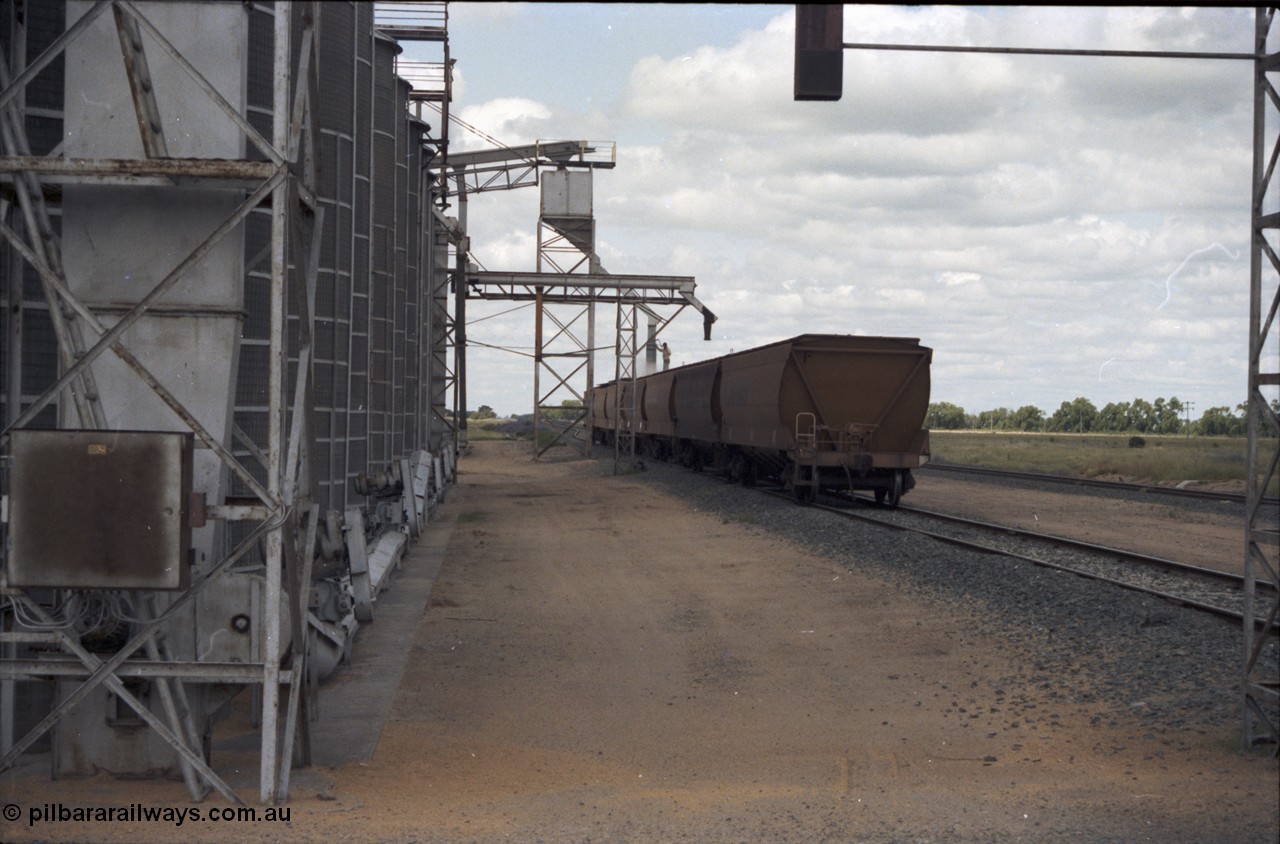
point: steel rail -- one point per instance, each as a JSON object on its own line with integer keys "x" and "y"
{"x": 1066, "y": 541}
{"x": 1093, "y": 482}
{"x": 990, "y": 549}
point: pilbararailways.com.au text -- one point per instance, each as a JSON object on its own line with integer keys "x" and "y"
{"x": 50, "y": 813}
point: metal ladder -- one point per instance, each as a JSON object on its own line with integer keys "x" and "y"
{"x": 806, "y": 456}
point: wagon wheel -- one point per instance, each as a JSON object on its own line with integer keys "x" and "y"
{"x": 893, "y": 495}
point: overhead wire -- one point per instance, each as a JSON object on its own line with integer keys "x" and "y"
{"x": 501, "y": 313}
{"x": 478, "y": 132}
{"x": 515, "y": 350}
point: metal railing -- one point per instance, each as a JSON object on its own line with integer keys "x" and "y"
{"x": 411, "y": 16}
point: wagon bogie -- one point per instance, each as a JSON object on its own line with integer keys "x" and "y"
{"x": 654, "y": 447}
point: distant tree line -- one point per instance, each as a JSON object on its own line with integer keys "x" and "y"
{"x": 571, "y": 408}
{"x": 1163, "y": 416}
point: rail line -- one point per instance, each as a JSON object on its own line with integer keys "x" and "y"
{"x": 1216, "y": 592}
{"x": 1210, "y": 495}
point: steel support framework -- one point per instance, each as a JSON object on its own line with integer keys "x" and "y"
{"x": 1261, "y": 688}
{"x": 624, "y": 432}
{"x": 566, "y": 297}
{"x": 566, "y": 357}
{"x": 508, "y": 168}
{"x": 566, "y": 233}
{"x": 479, "y": 172}
{"x": 457, "y": 283}
{"x": 577, "y": 294}
{"x": 449, "y": 235}
{"x": 285, "y": 513}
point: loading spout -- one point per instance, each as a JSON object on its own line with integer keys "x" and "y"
{"x": 708, "y": 316}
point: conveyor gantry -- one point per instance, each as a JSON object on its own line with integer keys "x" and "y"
{"x": 517, "y": 167}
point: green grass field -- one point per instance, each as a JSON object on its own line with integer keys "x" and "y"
{"x": 1162, "y": 459}
{"x": 479, "y": 430}
{"x": 486, "y": 429}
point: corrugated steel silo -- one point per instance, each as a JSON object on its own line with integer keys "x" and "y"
{"x": 336, "y": 127}
{"x": 28, "y": 347}
{"x": 382, "y": 254}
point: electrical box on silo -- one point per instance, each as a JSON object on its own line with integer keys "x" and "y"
{"x": 566, "y": 193}
{"x": 99, "y": 509}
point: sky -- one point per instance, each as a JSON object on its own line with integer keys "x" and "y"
{"x": 1051, "y": 227}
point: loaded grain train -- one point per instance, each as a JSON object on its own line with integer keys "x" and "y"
{"x": 816, "y": 412}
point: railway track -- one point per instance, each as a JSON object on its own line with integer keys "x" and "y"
{"x": 1176, "y": 492}
{"x": 1216, "y": 592}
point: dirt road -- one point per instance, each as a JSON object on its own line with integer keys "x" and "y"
{"x": 600, "y": 663}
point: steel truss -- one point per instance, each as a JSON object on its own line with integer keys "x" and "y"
{"x": 1262, "y": 541}
{"x": 284, "y": 511}
{"x": 624, "y": 398}
{"x": 518, "y": 167}
{"x": 562, "y": 353}
{"x": 507, "y": 168}
{"x": 445, "y": 325}
{"x": 564, "y": 298}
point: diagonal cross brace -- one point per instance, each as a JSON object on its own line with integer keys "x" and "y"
{"x": 52, "y": 51}
{"x": 134, "y": 314}
{"x": 277, "y": 157}
{"x": 564, "y": 432}
{"x": 298, "y": 715}
{"x": 125, "y": 355}
{"x": 111, "y": 681}
{"x": 141, "y": 85}
{"x": 105, "y": 671}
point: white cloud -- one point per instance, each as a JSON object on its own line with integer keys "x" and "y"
{"x": 464, "y": 14}
{"x": 1053, "y": 227}
{"x": 513, "y": 251}
{"x": 513, "y": 120}
{"x": 955, "y": 279}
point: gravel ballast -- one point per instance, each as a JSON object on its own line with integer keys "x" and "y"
{"x": 1175, "y": 669}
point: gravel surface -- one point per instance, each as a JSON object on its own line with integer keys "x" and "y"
{"x": 597, "y": 662}
{"x": 1176, "y": 669}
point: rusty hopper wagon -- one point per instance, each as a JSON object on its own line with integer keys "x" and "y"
{"x": 816, "y": 412}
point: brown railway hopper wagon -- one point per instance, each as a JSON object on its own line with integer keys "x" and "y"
{"x": 601, "y": 401}
{"x": 816, "y": 412}
{"x": 827, "y": 412}
{"x": 657, "y": 420}
{"x": 609, "y": 410}
{"x": 695, "y": 415}
{"x": 678, "y": 413}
